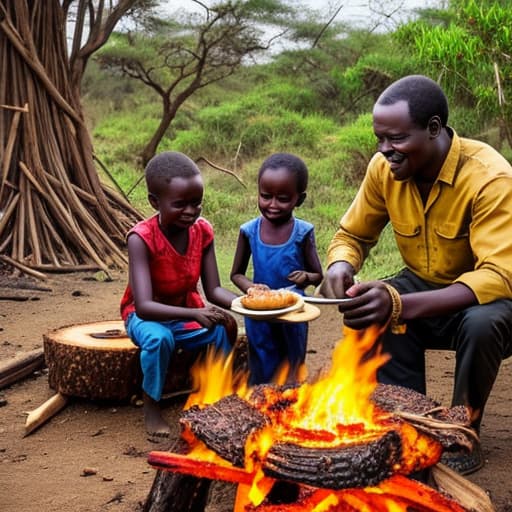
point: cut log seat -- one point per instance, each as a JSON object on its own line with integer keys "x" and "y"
{"x": 98, "y": 360}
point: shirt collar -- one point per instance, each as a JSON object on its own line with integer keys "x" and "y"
{"x": 449, "y": 169}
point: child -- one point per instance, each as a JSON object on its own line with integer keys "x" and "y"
{"x": 283, "y": 254}
{"x": 167, "y": 254}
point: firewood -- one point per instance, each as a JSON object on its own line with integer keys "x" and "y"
{"x": 22, "y": 267}
{"x": 15, "y": 369}
{"x": 171, "y": 492}
{"x": 44, "y": 412}
{"x": 463, "y": 490}
{"x": 357, "y": 465}
{"x": 180, "y": 463}
{"x": 225, "y": 426}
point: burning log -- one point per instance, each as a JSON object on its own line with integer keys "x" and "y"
{"x": 215, "y": 426}
{"x": 448, "y": 425}
{"x": 357, "y": 465}
{"x": 177, "y": 491}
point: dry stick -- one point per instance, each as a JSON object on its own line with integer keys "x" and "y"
{"x": 14, "y": 369}
{"x": 22, "y": 267}
{"x": 438, "y": 424}
{"x": 69, "y": 226}
{"x": 231, "y": 173}
{"x": 109, "y": 174}
{"x": 48, "y": 229}
{"x": 17, "y": 109}
{"x": 8, "y": 149}
{"x": 34, "y": 237}
{"x": 94, "y": 229}
{"x": 35, "y": 65}
{"x": 11, "y": 206}
{"x": 80, "y": 192}
{"x": 18, "y": 248}
{"x": 44, "y": 412}
{"x": 108, "y": 222}
{"x": 68, "y": 223}
{"x": 68, "y": 268}
{"x": 125, "y": 204}
{"x": 6, "y": 242}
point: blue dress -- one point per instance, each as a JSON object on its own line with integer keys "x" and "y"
{"x": 273, "y": 343}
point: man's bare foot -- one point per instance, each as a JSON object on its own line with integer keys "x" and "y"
{"x": 156, "y": 426}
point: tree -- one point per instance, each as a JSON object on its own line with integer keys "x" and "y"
{"x": 470, "y": 48}
{"x": 55, "y": 213}
{"x": 177, "y": 59}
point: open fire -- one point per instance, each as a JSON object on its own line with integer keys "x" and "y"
{"x": 327, "y": 445}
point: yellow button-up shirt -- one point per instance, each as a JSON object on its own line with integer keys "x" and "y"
{"x": 463, "y": 233}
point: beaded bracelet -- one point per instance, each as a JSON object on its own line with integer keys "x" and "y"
{"x": 396, "y": 310}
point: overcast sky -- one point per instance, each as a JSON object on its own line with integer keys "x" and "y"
{"x": 359, "y": 11}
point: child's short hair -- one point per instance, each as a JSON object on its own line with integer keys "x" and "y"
{"x": 290, "y": 162}
{"x": 165, "y": 166}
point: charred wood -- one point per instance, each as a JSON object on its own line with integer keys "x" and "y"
{"x": 225, "y": 426}
{"x": 357, "y": 465}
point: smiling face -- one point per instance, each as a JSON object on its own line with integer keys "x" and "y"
{"x": 410, "y": 149}
{"x": 278, "y": 194}
{"x": 179, "y": 202}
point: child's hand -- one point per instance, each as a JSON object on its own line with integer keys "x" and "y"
{"x": 299, "y": 277}
{"x": 208, "y": 316}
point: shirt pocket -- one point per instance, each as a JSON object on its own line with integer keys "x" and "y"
{"x": 453, "y": 249}
{"x": 405, "y": 230}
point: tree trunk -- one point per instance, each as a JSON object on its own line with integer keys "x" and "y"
{"x": 55, "y": 212}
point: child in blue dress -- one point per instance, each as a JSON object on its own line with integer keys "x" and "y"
{"x": 284, "y": 254}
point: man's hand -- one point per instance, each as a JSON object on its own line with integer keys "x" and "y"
{"x": 338, "y": 278}
{"x": 371, "y": 304}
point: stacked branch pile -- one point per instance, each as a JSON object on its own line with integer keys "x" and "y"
{"x": 55, "y": 213}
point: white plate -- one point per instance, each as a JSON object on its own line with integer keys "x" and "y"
{"x": 323, "y": 300}
{"x": 237, "y": 307}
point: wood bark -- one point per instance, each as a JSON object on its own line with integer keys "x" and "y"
{"x": 98, "y": 361}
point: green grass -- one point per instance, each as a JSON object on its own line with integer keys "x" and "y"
{"x": 336, "y": 157}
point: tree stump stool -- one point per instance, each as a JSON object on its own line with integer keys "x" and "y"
{"x": 99, "y": 361}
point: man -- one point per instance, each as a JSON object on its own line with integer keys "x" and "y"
{"x": 449, "y": 201}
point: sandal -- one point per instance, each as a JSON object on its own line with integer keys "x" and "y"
{"x": 464, "y": 462}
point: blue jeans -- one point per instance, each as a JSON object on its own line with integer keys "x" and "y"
{"x": 159, "y": 340}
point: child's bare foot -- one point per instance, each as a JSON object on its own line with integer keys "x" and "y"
{"x": 156, "y": 426}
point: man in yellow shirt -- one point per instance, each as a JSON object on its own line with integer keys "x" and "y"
{"x": 449, "y": 201}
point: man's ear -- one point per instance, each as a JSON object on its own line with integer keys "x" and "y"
{"x": 434, "y": 126}
{"x": 302, "y": 198}
{"x": 153, "y": 200}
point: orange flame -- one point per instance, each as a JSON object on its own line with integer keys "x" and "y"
{"x": 332, "y": 410}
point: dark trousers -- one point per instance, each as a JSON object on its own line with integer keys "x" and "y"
{"x": 480, "y": 335}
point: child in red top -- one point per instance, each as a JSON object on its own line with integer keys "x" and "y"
{"x": 168, "y": 254}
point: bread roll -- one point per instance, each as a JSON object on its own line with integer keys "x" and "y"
{"x": 263, "y": 298}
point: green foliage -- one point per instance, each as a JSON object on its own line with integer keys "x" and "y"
{"x": 315, "y": 102}
{"x": 470, "y": 54}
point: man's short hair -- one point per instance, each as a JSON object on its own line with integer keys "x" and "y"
{"x": 423, "y": 95}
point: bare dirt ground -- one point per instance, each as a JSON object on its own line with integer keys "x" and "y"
{"x": 43, "y": 471}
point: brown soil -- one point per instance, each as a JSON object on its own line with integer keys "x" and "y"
{"x": 43, "y": 471}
